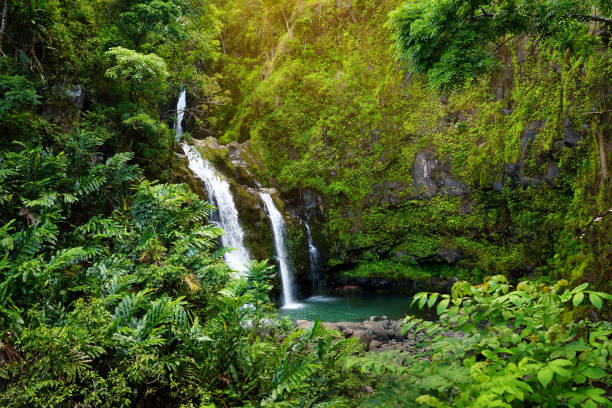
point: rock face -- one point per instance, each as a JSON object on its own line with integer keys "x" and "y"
{"x": 431, "y": 176}
{"x": 376, "y": 335}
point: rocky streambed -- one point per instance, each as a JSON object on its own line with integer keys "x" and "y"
{"x": 376, "y": 335}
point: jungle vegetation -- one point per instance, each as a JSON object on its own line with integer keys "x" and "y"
{"x": 113, "y": 290}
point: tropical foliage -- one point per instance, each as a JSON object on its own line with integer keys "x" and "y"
{"x": 500, "y": 346}
{"x": 113, "y": 288}
{"x": 454, "y": 41}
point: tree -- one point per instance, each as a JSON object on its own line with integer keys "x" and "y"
{"x": 145, "y": 74}
{"x": 147, "y": 19}
{"x": 452, "y": 40}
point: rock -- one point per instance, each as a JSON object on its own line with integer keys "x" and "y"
{"x": 530, "y": 133}
{"x": 571, "y": 136}
{"x": 362, "y": 335}
{"x": 431, "y": 177}
{"x": 451, "y": 255}
{"x": 76, "y": 96}
{"x": 303, "y": 324}
{"x": 348, "y": 289}
{"x": 376, "y": 330}
{"x": 374, "y": 345}
{"x": 552, "y": 173}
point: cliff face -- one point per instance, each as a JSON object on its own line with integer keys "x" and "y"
{"x": 399, "y": 181}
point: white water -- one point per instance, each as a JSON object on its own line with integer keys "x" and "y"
{"x": 220, "y": 196}
{"x": 180, "y": 113}
{"x": 313, "y": 254}
{"x": 278, "y": 230}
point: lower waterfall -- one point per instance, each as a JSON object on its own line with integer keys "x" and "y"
{"x": 313, "y": 254}
{"x": 278, "y": 230}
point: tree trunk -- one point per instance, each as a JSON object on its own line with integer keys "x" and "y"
{"x": 602, "y": 153}
{"x": 3, "y": 25}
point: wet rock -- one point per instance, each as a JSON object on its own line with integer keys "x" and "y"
{"x": 552, "y": 173}
{"x": 363, "y": 336}
{"x": 376, "y": 330}
{"x": 451, "y": 255}
{"x": 76, "y": 97}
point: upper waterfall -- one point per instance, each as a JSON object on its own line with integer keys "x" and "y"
{"x": 180, "y": 113}
{"x": 219, "y": 195}
{"x": 278, "y": 230}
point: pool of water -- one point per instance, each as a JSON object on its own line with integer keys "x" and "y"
{"x": 355, "y": 308}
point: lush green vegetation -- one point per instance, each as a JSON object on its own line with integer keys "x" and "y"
{"x": 514, "y": 348}
{"x": 113, "y": 290}
{"x": 450, "y": 40}
{"x": 317, "y": 92}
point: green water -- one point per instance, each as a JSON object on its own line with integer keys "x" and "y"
{"x": 355, "y": 308}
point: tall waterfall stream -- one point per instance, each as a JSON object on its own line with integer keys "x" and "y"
{"x": 278, "y": 230}
{"x": 219, "y": 194}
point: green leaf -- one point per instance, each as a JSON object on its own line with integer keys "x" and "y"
{"x": 422, "y": 301}
{"x": 595, "y": 300}
{"x": 561, "y": 371}
{"x": 594, "y": 372}
{"x": 561, "y": 362}
{"x": 432, "y": 299}
{"x": 442, "y": 306}
{"x": 604, "y": 295}
{"x": 578, "y": 297}
{"x": 545, "y": 376}
{"x": 579, "y": 288}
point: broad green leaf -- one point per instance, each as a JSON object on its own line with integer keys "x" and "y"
{"x": 579, "y": 288}
{"x": 561, "y": 371}
{"x": 595, "y": 300}
{"x": 422, "y": 301}
{"x": 442, "y": 306}
{"x": 604, "y": 295}
{"x": 432, "y": 300}
{"x": 561, "y": 362}
{"x": 594, "y": 372}
{"x": 545, "y": 376}
{"x": 578, "y": 297}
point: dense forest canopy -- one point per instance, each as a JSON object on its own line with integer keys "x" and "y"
{"x": 461, "y": 141}
{"x": 454, "y": 41}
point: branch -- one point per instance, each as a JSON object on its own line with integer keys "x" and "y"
{"x": 605, "y": 20}
{"x": 600, "y": 19}
{"x": 598, "y": 113}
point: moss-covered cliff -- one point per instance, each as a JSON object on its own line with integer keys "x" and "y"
{"x": 504, "y": 176}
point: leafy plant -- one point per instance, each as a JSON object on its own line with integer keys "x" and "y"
{"x": 496, "y": 345}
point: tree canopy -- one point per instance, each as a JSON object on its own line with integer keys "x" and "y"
{"x": 452, "y": 41}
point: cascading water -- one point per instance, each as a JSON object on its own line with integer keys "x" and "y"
{"x": 278, "y": 230}
{"x": 313, "y": 254}
{"x": 219, "y": 195}
{"x": 180, "y": 113}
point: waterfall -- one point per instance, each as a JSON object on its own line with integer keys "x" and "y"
{"x": 278, "y": 230}
{"x": 180, "y": 113}
{"x": 220, "y": 196}
{"x": 313, "y": 254}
